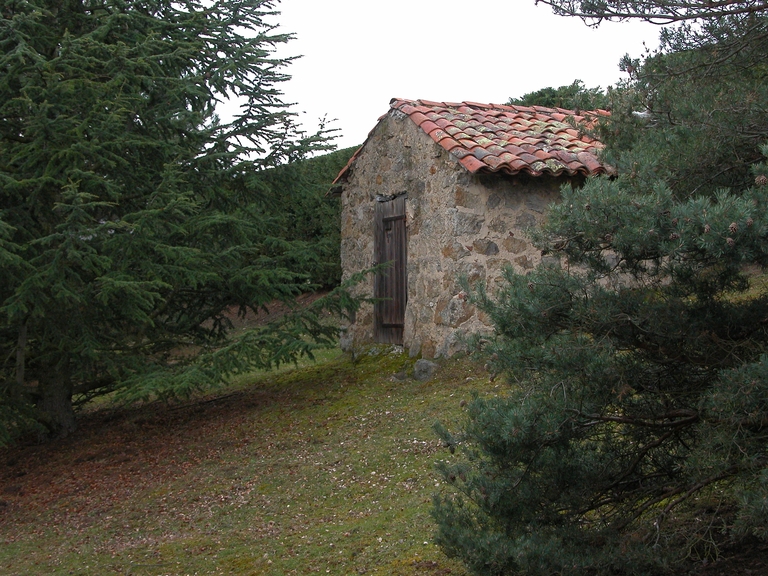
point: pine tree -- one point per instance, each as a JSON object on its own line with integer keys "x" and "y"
{"x": 575, "y": 96}
{"x": 632, "y": 439}
{"x": 127, "y": 230}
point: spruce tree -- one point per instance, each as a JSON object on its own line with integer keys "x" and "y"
{"x": 127, "y": 228}
{"x": 632, "y": 437}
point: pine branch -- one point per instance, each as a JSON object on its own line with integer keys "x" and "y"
{"x": 655, "y": 12}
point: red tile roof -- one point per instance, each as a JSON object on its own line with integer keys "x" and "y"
{"x": 488, "y": 138}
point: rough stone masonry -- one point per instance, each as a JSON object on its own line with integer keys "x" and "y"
{"x": 458, "y": 225}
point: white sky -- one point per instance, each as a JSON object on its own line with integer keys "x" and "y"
{"x": 359, "y": 54}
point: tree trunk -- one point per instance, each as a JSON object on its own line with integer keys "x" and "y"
{"x": 21, "y": 346}
{"x": 54, "y": 407}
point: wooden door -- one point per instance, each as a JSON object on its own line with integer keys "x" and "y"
{"x": 390, "y": 285}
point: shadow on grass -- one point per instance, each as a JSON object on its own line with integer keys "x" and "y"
{"x": 324, "y": 468}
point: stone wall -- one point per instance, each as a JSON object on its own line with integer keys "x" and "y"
{"x": 458, "y": 224}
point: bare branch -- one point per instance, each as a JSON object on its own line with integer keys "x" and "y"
{"x": 671, "y": 419}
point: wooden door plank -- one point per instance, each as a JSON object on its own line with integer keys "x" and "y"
{"x": 390, "y": 285}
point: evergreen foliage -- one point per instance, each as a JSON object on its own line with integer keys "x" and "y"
{"x": 656, "y": 11}
{"x": 632, "y": 439}
{"x": 305, "y": 211}
{"x": 127, "y": 228}
{"x": 575, "y": 96}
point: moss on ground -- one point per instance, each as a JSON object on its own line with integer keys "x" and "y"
{"x": 328, "y": 468}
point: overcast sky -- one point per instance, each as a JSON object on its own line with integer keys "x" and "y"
{"x": 359, "y": 54}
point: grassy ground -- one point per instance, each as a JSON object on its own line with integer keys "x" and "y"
{"x": 323, "y": 469}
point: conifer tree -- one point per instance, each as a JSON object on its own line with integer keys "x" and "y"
{"x": 574, "y": 96}
{"x": 126, "y": 226}
{"x": 306, "y": 212}
{"x": 632, "y": 438}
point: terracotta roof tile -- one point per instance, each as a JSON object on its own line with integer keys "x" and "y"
{"x": 418, "y": 117}
{"x": 495, "y": 149}
{"x": 472, "y": 164}
{"x": 449, "y": 144}
{"x": 511, "y": 139}
{"x": 460, "y": 152}
{"x": 428, "y": 126}
{"x": 438, "y": 135}
{"x": 480, "y": 153}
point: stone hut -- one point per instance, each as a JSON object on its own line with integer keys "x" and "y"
{"x": 445, "y": 190}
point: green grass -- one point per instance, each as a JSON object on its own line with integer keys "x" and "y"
{"x": 327, "y": 468}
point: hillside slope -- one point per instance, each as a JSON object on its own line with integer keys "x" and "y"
{"x": 326, "y": 469}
